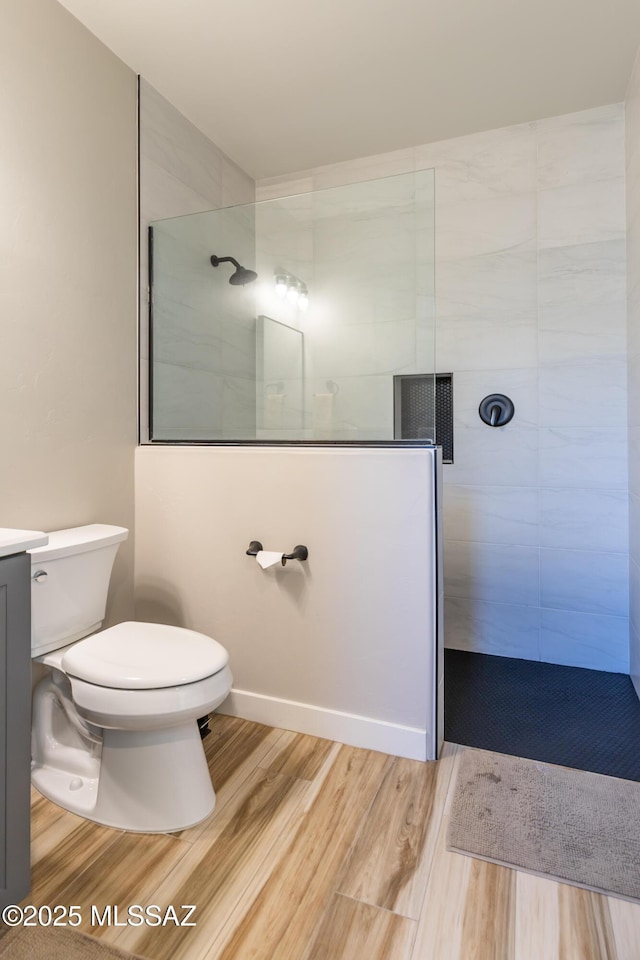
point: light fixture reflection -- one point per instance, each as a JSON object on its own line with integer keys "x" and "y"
{"x": 294, "y": 290}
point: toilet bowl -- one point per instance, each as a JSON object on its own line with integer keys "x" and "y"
{"x": 115, "y": 737}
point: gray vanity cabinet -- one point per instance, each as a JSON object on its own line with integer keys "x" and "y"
{"x": 15, "y": 727}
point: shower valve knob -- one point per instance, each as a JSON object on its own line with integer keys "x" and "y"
{"x": 496, "y": 410}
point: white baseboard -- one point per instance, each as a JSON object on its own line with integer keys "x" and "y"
{"x": 400, "y": 741}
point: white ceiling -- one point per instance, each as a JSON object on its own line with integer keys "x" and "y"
{"x": 282, "y": 85}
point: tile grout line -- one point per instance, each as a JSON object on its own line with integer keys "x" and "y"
{"x": 455, "y": 754}
{"x": 89, "y": 865}
{"x": 340, "y": 872}
{"x": 253, "y": 888}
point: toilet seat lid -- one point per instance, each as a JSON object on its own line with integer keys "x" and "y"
{"x": 143, "y": 656}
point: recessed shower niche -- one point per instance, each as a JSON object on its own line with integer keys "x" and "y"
{"x": 286, "y": 320}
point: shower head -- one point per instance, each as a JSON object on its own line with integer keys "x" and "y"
{"x": 240, "y": 276}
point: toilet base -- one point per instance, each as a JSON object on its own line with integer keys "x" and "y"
{"x": 149, "y": 781}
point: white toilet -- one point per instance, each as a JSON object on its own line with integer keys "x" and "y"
{"x": 115, "y": 735}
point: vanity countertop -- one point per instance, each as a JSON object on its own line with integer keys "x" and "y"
{"x": 15, "y": 541}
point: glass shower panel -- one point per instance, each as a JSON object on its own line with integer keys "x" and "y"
{"x": 307, "y": 351}
{"x": 203, "y": 330}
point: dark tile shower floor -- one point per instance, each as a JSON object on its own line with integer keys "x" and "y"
{"x": 587, "y": 719}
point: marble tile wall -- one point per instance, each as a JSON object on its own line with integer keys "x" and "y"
{"x": 376, "y": 298}
{"x": 182, "y": 172}
{"x": 530, "y": 284}
{"x": 582, "y": 389}
{"x": 632, "y": 112}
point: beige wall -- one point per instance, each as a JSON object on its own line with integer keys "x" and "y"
{"x": 632, "y": 110}
{"x": 341, "y": 645}
{"x": 68, "y": 279}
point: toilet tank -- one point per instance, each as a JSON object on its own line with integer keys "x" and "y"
{"x": 69, "y": 584}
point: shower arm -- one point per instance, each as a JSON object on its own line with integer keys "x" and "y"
{"x": 216, "y": 260}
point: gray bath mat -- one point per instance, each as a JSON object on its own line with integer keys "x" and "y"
{"x": 55, "y": 943}
{"x": 576, "y": 827}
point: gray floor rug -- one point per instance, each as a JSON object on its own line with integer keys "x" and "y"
{"x": 576, "y": 827}
{"x": 55, "y": 943}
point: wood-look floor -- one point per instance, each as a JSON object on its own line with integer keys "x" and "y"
{"x": 318, "y": 851}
